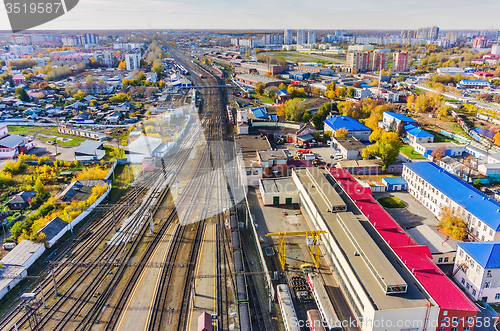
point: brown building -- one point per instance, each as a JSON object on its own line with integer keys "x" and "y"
{"x": 263, "y": 68}
{"x": 253, "y": 80}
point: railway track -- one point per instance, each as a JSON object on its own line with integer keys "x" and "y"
{"x": 83, "y": 251}
{"x": 80, "y": 308}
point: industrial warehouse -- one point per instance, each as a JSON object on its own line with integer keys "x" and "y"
{"x": 382, "y": 273}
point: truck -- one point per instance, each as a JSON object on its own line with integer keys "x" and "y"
{"x": 308, "y": 157}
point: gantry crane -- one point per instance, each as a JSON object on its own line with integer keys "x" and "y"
{"x": 313, "y": 239}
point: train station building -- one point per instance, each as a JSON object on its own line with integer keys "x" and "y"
{"x": 389, "y": 282}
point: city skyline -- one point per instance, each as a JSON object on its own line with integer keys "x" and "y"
{"x": 167, "y": 14}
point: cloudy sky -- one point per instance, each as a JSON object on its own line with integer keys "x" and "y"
{"x": 275, "y": 14}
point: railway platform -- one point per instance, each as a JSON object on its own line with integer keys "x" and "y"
{"x": 204, "y": 298}
{"x": 137, "y": 309}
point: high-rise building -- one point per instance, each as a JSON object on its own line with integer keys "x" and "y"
{"x": 361, "y": 61}
{"x": 272, "y": 39}
{"x": 400, "y": 62}
{"x": 495, "y": 49}
{"x": 379, "y": 60}
{"x": 452, "y": 37}
{"x": 133, "y": 59}
{"x": 479, "y": 42}
{"x": 89, "y": 39}
{"x": 311, "y": 37}
{"x": 427, "y": 33}
{"x": 340, "y": 33}
{"x": 288, "y": 38}
{"x": 301, "y": 37}
{"x": 21, "y": 49}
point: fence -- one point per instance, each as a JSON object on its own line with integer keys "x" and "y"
{"x": 80, "y": 217}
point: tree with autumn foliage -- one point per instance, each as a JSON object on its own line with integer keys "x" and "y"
{"x": 386, "y": 146}
{"x": 452, "y": 224}
{"x": 496, "y": 139}
{"x": 341, "y": 133}
{"x": 122, "y": 65}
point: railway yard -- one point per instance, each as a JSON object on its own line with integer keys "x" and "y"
{"x": 162, "y": 254}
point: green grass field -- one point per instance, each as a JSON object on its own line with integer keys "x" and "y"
{"x": 410, "y": 152}
{"x": 265, "y": 99}
{"x": 391, "y": 202}
{"x": 46, "y": 130}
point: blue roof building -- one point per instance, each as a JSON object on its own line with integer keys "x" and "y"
{"x": 260, "y": 112}
{"x": 477, "y": 269}
{"x": 390, "y": 117}
{"x": 418, "y": 135}
{"x": 436, "y": 188}
{"x": 486, "y": 254}
{"x": 355, "y": 128}
{"x": 395, "y": 183}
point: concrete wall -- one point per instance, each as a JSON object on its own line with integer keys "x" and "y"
{"x": 13, "y": 282}
{"x": 90, "y": 209}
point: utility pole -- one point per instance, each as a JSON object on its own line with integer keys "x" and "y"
{"x": 43, "y": 296}
{"x": 54, "y": 280}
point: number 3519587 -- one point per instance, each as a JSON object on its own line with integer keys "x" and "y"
{"x": 32, "y": 8}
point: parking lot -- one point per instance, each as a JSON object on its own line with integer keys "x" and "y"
{"x": 322, "y": 153}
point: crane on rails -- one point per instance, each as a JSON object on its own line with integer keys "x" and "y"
{"x": 313, "y": 239}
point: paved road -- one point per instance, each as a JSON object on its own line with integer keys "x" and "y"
{"x": 205, "y": 298}
{"x": 138, "y": 307}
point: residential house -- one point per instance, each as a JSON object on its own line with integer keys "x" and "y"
{"x": 21, "y": 200}
{"x": 392, "y": 120}
{"x": 417, "y": 135}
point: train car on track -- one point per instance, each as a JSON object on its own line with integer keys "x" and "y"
{"x": 244, "y": 314}
{"x": 234, "y": 223}
{"x": 314, "y": 321}
{"x": 230, "y": 115}
{"x": 323, "y": 302}
{"x": 235, "y": 236}
{"x": 287, "y": 309}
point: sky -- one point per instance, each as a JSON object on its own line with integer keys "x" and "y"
{"x": 275, "y": 14}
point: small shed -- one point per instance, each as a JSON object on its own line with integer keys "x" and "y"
{"x": 205, "y": 322}
{"x": 395, "y": 183}
{"x": 54, "y": 230}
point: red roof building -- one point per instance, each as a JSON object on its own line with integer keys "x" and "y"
{"x": 453, "y": 303}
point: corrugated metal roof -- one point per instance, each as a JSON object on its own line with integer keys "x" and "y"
{"x": 345, "y": 122}
{"x": 22, "y": 252}
{"x": 88, "y": 147}
{"x": 12, "y": 141}
{"x": 53, "y": 228}
{"x": 140, "y": 145}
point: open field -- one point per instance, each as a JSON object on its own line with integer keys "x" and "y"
{"x": 410, "y": 152}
